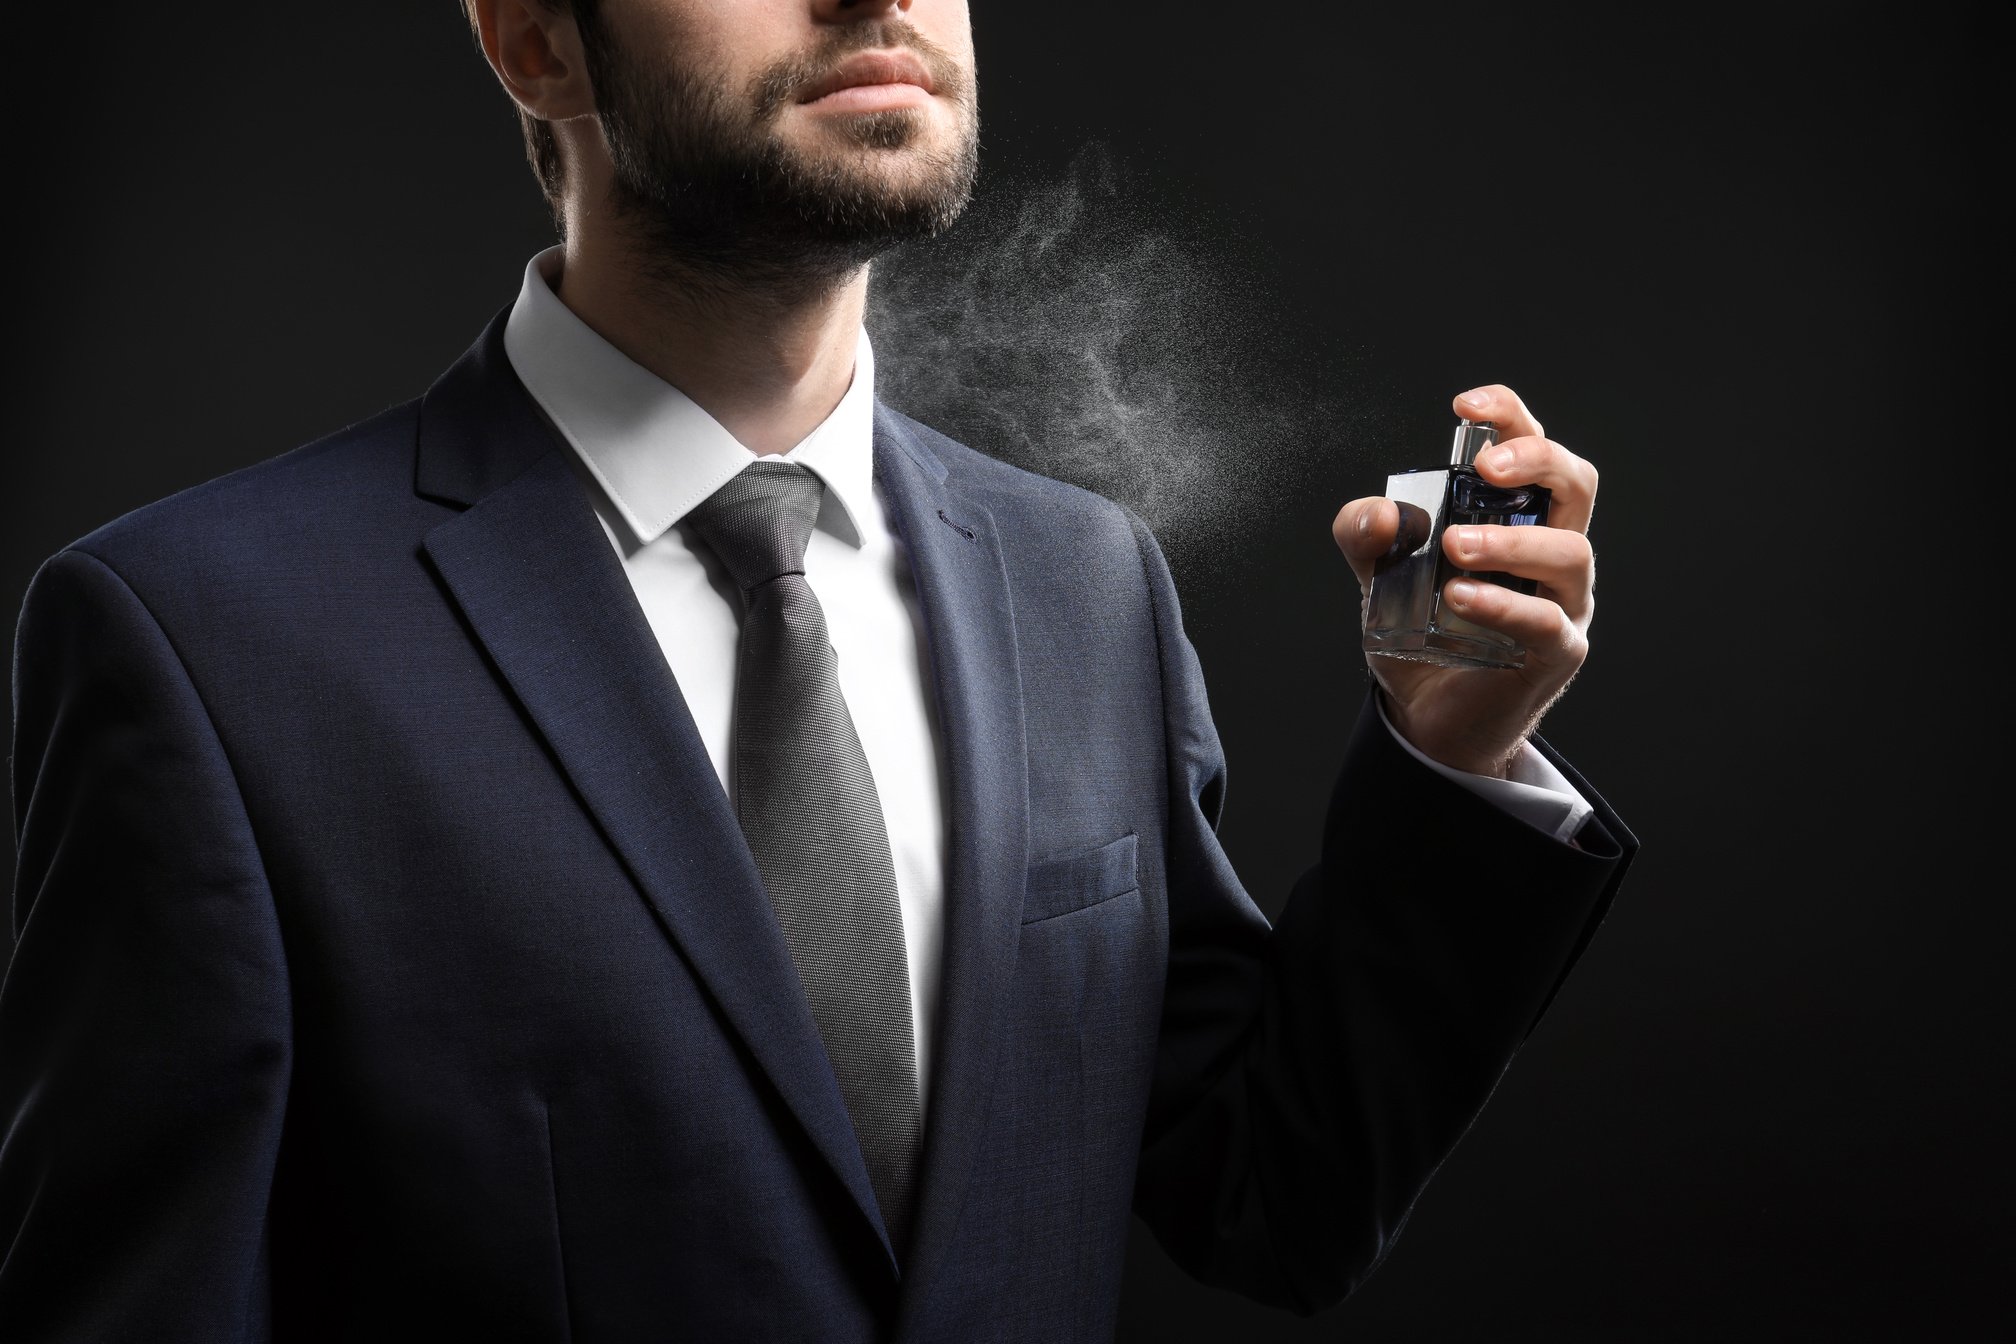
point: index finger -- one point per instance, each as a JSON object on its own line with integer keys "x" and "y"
{"x": 1501, "y": 406}
{"x": 1540, "y": 461}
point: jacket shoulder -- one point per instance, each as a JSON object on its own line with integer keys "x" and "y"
{"x": 318, "y": 487}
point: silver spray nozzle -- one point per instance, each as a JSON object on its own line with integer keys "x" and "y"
{"x": 1472, "y": 438}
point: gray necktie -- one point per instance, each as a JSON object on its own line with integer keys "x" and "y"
{"x": 808, "y": 806}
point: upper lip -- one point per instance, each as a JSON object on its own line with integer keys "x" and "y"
{"x": 872, "y": 67}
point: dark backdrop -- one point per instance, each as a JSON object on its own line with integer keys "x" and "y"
{"x": 1736, "y": 258}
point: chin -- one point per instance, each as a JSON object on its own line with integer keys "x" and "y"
{"x": 888, "y": 129}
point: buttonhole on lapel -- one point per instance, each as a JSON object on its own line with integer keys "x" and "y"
{"x": 965, "y": 532}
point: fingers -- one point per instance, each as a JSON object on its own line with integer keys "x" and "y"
{"x": 1525, "y": 456}
{"x": 1558, "y": 559}
{"x": 1501, "y": 406}
{"x": 1551, "y": 637}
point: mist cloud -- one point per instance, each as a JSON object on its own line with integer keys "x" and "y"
{"x": 1075, "y": 325}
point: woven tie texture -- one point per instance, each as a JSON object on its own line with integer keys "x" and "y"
{"x": 807, "y": 803}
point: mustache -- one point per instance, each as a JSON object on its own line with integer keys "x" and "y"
{"x": 784, "y": 80}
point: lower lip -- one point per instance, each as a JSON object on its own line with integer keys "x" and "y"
{"x": 872, "y": 98}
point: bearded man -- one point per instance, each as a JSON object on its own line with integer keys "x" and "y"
{"x": 647, "y": 841}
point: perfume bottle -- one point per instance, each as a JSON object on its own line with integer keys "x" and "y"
{"x": 1404, "y": 615}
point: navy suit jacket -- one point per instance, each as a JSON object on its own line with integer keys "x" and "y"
{"x": 389, "y": 964}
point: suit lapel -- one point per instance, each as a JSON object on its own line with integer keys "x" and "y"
{"x": 542, "y": 589}
{"x": 962, "y": 586}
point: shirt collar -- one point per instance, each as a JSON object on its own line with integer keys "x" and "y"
{"x": 654, "y": 451}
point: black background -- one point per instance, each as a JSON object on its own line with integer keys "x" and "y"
{"x": 1737, "y": 257}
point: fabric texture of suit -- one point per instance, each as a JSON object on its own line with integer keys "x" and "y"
{"x": 389, "y": 964}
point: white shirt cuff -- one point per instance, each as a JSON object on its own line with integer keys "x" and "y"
{"x": 1535, "y": 792}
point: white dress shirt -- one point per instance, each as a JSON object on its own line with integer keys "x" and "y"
{"x": 653, "y": 455}
{"x": 650, "y": 455}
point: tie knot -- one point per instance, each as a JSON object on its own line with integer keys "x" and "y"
{"x": 759, "y": 522}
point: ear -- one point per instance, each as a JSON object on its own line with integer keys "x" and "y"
{"x": 536, "y": 52}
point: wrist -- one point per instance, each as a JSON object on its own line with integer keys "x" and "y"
{"x": 1456, "y": 751}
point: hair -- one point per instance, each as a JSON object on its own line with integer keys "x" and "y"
{"x": 542, "y": 147}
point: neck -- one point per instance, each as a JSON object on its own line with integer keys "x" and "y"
{"x": 769, "y": 358}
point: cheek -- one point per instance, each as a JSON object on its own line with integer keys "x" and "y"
{"x": 949, "y": 26}
{"x": 717, "y": 42}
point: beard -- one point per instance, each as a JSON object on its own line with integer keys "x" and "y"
{"x": 706, "y": 182}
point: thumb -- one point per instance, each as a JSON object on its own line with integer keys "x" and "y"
{"x": 1365, "y": 530}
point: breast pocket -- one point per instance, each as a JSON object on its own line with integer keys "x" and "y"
{"x": 1072, "y": 882}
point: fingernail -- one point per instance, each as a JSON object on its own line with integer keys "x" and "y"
{"x": 1500, "y": 459}
{"x": 1459, "y": 592}
{"x": 1476, "y": 399}
{"x": 1364, "y": 521}
{"x": 1467, "y": 540}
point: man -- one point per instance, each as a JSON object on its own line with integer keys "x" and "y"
{"x": 647, "y": 842}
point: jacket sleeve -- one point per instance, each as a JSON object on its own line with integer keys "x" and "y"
{"x": 144, "y": 1019}
{"x": 1311, "y": 1076}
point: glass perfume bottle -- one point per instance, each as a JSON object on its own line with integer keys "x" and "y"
{"x": 1404, "y": 614}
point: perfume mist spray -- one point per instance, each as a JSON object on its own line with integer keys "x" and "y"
{"x": 1404, "y": 614}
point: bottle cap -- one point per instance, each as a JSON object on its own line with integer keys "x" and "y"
{"x": 1472, "y": 438}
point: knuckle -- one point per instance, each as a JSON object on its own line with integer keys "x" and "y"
{"x": 1570, "y": 640}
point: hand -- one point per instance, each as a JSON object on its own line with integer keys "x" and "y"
{"x": 1476, "y": 719}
